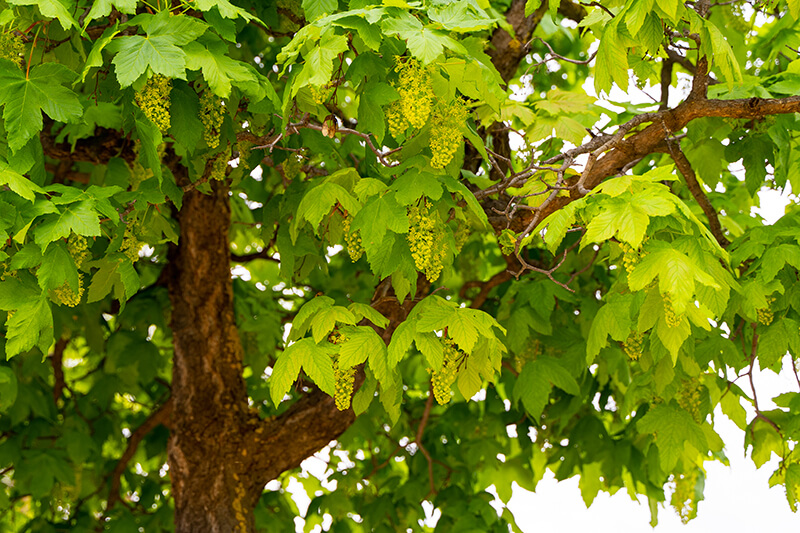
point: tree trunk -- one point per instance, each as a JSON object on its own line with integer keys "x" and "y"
{"x": 208, "y": 461}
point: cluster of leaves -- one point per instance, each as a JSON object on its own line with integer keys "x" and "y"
{"x": 303, "y": 95}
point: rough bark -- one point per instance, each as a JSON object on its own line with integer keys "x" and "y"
{"x": 208, "y": 464}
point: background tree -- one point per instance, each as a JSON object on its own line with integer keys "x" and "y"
{"x": 402, "y": 227}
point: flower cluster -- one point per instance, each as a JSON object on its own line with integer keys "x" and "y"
{"x": 765, "y": 314}
{"x": 444, "y": 378}
{"x": 292, "y": 166}
{"x": 154, "y": 101}
{"x": 78, "y": 248}
{"x": 11, "y": 47}
{"x": 633, "y": 345}
{"x": 131, "y": 246}
{"x": 684, "y": 498}
{"x": 352, "y": 238}
{"x": 64, "y": 295}
{"x": 343, "y": 377}
{"x": 218, "y": 167}
{"x": 448, "y": 119}
{"x": 426, "y": 240}
{"x": 211, "y": 116}
{"x": 689, "y": 396}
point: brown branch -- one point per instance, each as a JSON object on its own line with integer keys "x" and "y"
{"x": 246, "y": 258}
{"x": 666, "y": 81}
{"x": 157, "y": 417}
{"x": 644, "y": 142}
{"x": 57, "y": 362}
{"x": 686, "y": 170}
{"x": 418, "y": 440}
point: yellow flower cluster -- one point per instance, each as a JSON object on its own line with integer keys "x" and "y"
{"x": 352, "y": 239}
{"x": 448, "y": 119}
{"x": 416, "y": 92}
{"x": 154, "y": 101}
{"x": 631, "y": 257}
{"x": 321, "y": 94}
{"x": 292, "y": 166}
{"x": 244, "y": 148}
{"x": 425, "y": 239}
{"x": 633, "y": 345}
{"x": 78, "y": 248}
{"x": 131, "y": 245}
{"x": 765, "y": 314}
{"x": 343, "y": 377}
{"x": 444, "y": 378}
{"x": 211, "y": 116}
{"x": 11, "y": 47}
{"x": 397, "y": 121}
{"x": 64, "y": 295}
{"x": 218, "y": 167}
{"x": 684, "y": 498}
{"x": 673, "y": 320}
{"x": 689, "y": 396}
{"x": 416, "y": 97}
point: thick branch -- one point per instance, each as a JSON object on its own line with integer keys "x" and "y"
{"x": 650, "y": 140}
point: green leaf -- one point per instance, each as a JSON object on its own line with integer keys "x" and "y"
{"x": 318, "y": 67}
{"x": 612, "y": 61}
{"x": 18, "y": 183}
{"x": 318, "y": 202}
{"x": 219, "y": 70}
{"x": 226, "y": 9}
{"x": 325, "y": 320}
{"x": 676, "y": 273}
{"x": 24, "y": 99}
{"x": 287, "y": 368}
{"x": 673, "y": 429}
{"x": 370, "y": 313}
{"x": 95, "y": 57}
{"x": 362, "y": 341}
{"x": 611, "y": 319}
{"x": 402, "y": 337}
{"x": 136, "y": 53}
{"x": 30, "y": 325}
{"x": 636, "y": 13}
{"x": 371, "y": 118}
{"x": 536, "y": 380}
{"x": 365, "y": 394}
{"x": 557, "y": 225}
{"x": 410, "y": 186}
{"x": 315, "y": 9}
{"x": 79, "y": 217}
{"x": 52, "y": 9}
{"x": 115, "y": 275}
{"x": 379, "y": 215}
{"x": 102, "y": 8}
{"x": 57, "y": 267}
{"x": 8, "y": 388}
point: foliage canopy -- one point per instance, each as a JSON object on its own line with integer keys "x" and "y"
{"x": 235, "y": 232}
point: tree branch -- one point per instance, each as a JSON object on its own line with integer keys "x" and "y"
{"x": 685, "y": 168}
{"x": 157, "y": 417}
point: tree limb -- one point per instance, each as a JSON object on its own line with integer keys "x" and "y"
{"x": 685, "y": 168}
{"x": 157, "y": 417}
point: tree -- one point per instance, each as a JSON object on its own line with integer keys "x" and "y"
{"x": 236, "y": 233}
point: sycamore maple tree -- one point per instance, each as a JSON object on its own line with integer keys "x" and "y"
{"x": 235, "y": 233}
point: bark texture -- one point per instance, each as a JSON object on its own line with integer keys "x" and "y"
{"x": 206, "y": 458}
